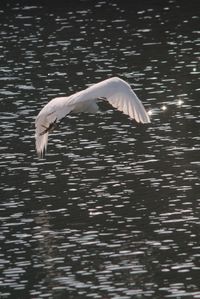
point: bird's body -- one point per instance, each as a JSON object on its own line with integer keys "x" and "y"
{"x": 114, "y": 90}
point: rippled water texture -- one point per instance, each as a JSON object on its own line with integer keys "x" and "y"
{"x": 113, "y": 209}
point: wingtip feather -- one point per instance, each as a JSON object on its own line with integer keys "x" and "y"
{"x": 41, "y": 144}
{"x": 41, "y": 140}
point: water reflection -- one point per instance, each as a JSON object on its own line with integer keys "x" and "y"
{"x": 113, "y": 210}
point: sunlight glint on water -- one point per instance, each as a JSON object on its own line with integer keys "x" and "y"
{"x": 113, "y": 209}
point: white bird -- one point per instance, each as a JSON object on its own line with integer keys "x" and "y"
{"x": 114, "y": 90}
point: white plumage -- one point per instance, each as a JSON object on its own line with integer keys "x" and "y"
{"x": 114, "y": 90}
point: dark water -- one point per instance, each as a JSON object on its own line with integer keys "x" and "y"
{"x": 113, "y": 211}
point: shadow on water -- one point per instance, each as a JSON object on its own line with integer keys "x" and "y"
{"x": 112, "y": 211}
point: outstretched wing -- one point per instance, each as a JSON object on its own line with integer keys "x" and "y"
{"x": 46, "y": 120}
{"x": 116, "y": 91}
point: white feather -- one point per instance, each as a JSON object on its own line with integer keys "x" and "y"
{"x": 115, "y": 90}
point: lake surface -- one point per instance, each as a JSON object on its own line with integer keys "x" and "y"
{"x": 113, "y": 210}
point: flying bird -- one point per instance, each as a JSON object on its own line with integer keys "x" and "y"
{"x": 114, "y": 90}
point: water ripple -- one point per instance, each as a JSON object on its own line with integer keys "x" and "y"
{"x": 112, "y": 211}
